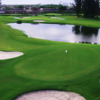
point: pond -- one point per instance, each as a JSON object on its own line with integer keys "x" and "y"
{"x": 58, "y": 32}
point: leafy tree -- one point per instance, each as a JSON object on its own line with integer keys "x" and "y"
{"x": 7, "y": 7}
{"x": 97, "y": 8}
{"x": 20, "y": 6}
{"x": 78, "y": 7}
{"x": 89, "y": 8}
{"x": 49, "y": 6}
{"x": 62, "y": 9}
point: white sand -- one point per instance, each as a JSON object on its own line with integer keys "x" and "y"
{"x": 61, "y": 18}
{"x": 51, "y": 95}
{"x": 26, "y": 17}
{"x": 58, "y": 18}
{"x": 38, "y": 21}
{"x": 9, "y": 55}
{"x": 21, "y": 17}
{"x": 54, "y": 17}
{"x": 17, "y": 17}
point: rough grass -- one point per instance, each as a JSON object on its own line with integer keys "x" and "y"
{"x": 45, "y": 64}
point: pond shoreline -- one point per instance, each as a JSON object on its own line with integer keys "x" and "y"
{"x": 58, "y": 32}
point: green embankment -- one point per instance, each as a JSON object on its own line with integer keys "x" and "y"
{"x": 45, "y": 65}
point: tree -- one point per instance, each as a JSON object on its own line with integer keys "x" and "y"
{"x": 7, "y": 7}
{"x": 89, "y": 8}
{"x": 78, "y": 7}
{"x": 62, "y": 9}
{"x": 20, "y": 6}
{"x": 97, "y": 8}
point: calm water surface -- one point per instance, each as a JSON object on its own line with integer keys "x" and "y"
{"x": 57, "y": 32}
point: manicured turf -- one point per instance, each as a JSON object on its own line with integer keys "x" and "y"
{"x": 45, "y": 64}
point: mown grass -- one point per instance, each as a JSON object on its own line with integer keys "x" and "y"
{"x": 67, "y": 19}
{"x": 45, "y": 65}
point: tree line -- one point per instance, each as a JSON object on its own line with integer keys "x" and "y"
{"x": 87, "y": 8}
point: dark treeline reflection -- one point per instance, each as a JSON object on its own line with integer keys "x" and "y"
{"x": 86, "y": 31}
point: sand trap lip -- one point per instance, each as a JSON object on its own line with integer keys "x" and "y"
{"x": 51, "y": 95}
{"x": 8, "y": 55}
{"x": 58, "y": 18}
{"x": 26, "y": 17}
{"x": 17, "y": 17}
{"x": 38, "y": 20}
{"x": 54, "y": 17}
{"x": 21, "y": 17}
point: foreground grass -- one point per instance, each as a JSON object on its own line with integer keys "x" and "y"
{"x": 45, "y": 65}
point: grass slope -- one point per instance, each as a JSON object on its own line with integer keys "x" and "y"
{"x": 45, "y": 64}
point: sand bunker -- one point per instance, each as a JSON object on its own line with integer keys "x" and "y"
{"x": 61, "y": 18}
{"x": 26, "y": 17}
{"x": 58, "y": 18}
{"x": 51, "y": 95}
{"x": 54, "y": 17}
{"x": 21, "y": 17}
{"x": 8, "y": 55}
{"x": 17, "y": 17}
{"x": 38, "y": 21}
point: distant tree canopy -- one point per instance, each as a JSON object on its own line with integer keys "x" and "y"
{"x": 49, "y": 6}
{"x": 20, "y": 6}
{"x": 7, "y": 7}
{"x": 89, "y": 8}
{"x": 62, "y": 9}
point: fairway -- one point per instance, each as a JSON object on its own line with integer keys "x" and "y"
{"x": 46, "y": 65}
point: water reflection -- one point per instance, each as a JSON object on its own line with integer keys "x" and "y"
{"x": 76, "y": 29}
{"x": 89, "y": 34}
{"x": 86, "y": 31}
{"x": 57, "y": 32}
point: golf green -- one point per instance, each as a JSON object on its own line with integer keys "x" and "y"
{"x": 53, "y": 63}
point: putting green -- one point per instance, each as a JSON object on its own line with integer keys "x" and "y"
{"x": 54, "y": 64}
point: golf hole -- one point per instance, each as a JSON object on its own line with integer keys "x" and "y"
{"x": 66, "y": 51}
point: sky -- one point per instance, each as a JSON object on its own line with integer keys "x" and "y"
{"x": 36, "y": 1}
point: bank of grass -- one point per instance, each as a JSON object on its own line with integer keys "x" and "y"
{"x": 67, "y": 20}
{"x": 45, "y": 65}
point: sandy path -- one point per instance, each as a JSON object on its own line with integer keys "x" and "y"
{"x": 9, "y": 55}
{"x": 51, "y": 95}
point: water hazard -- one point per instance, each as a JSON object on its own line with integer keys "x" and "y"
{"x": 57, "y": 32}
